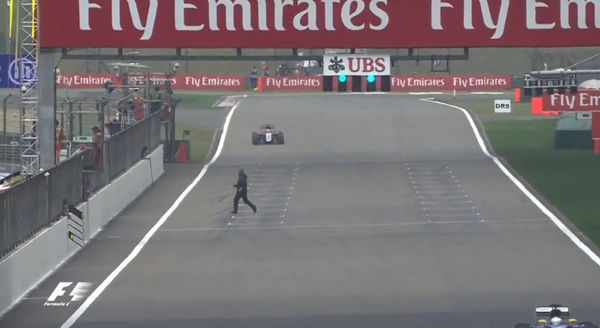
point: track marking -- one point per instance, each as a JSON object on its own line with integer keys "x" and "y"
{"x": 448, "y": 202}
{"x": 356, "y": 225}
{"x": 588, "y": 251}
{"x": 138, "y": 248}
{"x": 430, "y": 209}
{"x": 436, "y": 187}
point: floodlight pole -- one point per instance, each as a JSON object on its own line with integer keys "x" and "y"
{"x": 47, "y": 108}
{"x": 172, "y": 106}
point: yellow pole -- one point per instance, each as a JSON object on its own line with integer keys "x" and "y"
{"x": 33, "y": 18}
{"x": 17, "y": 30}
{"x": 11, "y": 7}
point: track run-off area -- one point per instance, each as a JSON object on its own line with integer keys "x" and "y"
{"x": 379, "y": 211}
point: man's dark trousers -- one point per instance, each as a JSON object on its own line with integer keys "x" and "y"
{"x": 244, "y": 196}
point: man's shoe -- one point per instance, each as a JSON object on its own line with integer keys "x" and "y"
{"x": 254, "y": 209}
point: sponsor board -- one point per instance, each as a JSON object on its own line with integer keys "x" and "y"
{"x": 210, "y": 82}
{"x": 318, "y": 23}
{"x": 451, "y": 82}
{"x": 356, "y": 65}
{"x": 292, "y": 83}
{"x": 596, "y": 125}
{"x": 178, "y": 82}
{"x": 145, "y": 79}
{"x": 582, "y": 101}
{"x": 5, "y": 61}
{"x": 85, "y": 81}
{"x": 11, "y": 71}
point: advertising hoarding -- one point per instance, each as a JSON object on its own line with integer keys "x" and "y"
{"x": 318, "y": 23}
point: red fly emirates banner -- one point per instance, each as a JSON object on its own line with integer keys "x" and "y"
{"x": 290, "y": 83}
{"x": 210, "y": 82}
{"x": 451, "y": 82}
{"x": 318, "y": 23}
{"x": 583, "y": 101}
{"x": 85, "y": 81}
{"x": 178, "y": 82}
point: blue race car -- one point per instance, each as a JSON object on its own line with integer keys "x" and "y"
{"x": 555, "y": 316}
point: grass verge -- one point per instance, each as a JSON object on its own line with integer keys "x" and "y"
{"x": 568, "y": 179}
{"x": 197, "y": 101}
{"x": 200, "y": 139}
{"x": 484, "y": 108}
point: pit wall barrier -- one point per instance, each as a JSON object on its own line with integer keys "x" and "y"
{"x": 31, "y": 263}
{"x": 399, "y": 83}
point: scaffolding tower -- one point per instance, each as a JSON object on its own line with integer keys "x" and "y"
{"x": 27, "y": 57}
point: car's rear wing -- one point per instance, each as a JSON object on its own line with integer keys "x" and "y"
{"x": 544, "y": 311}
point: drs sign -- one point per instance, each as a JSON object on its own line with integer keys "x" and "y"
{"x": 360, "y": 65}
{"x": 502, "y": 106}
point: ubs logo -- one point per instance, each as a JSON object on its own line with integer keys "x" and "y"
{"x": 336, "y": 64}
{"x": 27, "y": 72}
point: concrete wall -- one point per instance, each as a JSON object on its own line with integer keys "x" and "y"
{"x": 112, "y": 199}
{"x": 33, "y": 262}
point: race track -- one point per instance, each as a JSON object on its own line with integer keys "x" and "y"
{"x": 380, "y": 211}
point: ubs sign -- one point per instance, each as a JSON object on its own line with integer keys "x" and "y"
{"x": 356, "y": 65}
{"x": 11, "y": 71}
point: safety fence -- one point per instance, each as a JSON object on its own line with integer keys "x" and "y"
{"x": 10, "y": 153}
{"x": 129, "y": 146}
{"x": 37, "y": 202}
{"x": 121, "y": 151}
{"x": 34, "y": 204}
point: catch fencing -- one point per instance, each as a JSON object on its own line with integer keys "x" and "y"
{"x": 36, "y": 203}
{"x": 130, "y": 145}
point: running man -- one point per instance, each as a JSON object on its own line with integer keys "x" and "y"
{"x": 242, "y": 192}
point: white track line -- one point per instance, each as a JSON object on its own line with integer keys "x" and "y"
{"x": 138, "y": 248}
{"x": 593, "y": 256}
{"x": 350, "y": 225}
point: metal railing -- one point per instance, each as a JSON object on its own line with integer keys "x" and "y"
{"x": 34, "y": 204}
{"x": 37, "y": 202}
{"x": 11, "y": 153}
{"x": 127, "y": 147}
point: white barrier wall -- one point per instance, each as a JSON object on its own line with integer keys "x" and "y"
{"x": 112, "y": 199}
{"x": 33, "y": 262}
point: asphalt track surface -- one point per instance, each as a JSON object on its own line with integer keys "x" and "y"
{"x": 380, "y": 211}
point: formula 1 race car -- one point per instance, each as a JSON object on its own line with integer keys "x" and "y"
{"x": 555, "y": 316}
{"x": 267, "y": 136}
